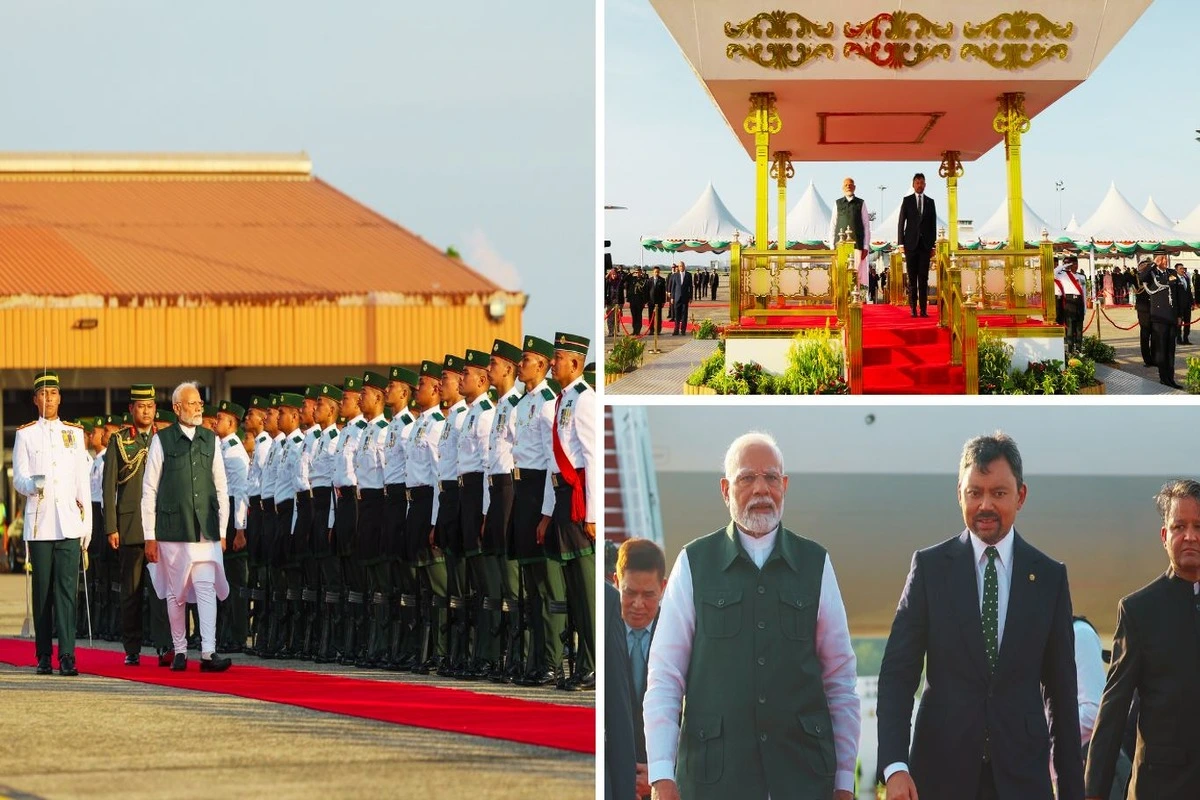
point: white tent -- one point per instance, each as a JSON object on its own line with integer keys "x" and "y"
{"x": 1072, "y": 227}
{"x": 1189, "y": 227}
{"x": 994, "y": 232}
{"x": 1116, "y": 222}
{"x": 1156, "y": 215}
{"x": 808, "y": 221}
{"x": 706, "y": 227}
{"x": 883, "y": 233}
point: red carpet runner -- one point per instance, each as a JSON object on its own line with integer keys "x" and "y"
{"x": 454, "y": 710}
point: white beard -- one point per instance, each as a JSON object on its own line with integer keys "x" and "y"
{"x": 759, "y": 521}
{"x": 194, "y": 422}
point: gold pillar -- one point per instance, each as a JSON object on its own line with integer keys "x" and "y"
{"x": 951, "y": 169}
{"x": 762, "y": 122}
{"x": 971, "y": 347}
{"x": 782, "y": 171}
{"x": 1046, "y": 248}
{"x": 735, "y": 280}
{"x": 854, "y": 349}
{"x": 945, "y": 281}
{"x": 1011, "y": 121}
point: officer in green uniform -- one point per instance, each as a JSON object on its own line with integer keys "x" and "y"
{"x": 301, "y": 640}
{"x": 345, "y": 486}
{"x": 447, "y": 521}
{"x": 371, "y": 565}
{"x": 321, "y": 469}
{"x": 255, "y": 593}
{"x": 124, "y": 465}
{"x": 233, "y": 612}
{"x": 109, "y": 560}
{"x": 473, "y": 442}
{"x": 400, "y": 576}
{"x": 285, "y": 567}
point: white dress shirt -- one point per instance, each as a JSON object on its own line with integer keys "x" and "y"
{"x": 1003, "y": 582}
{"x": 347, "y": 445}
{"x": 323, "y": 456}
{"x": 1089, "y": 664}
{"x": 448, "y": 446}
{"x": 54, "y": 450}
{"x": 671, "y": 655}
{"x": 576, "y": 423}
{"x": 287, "y": 465}
{"x": 395, "y": 460}
{"x": 258, "y": 462}
{"x": 500, "y": 441}
{"x": 97, "y": 478}
{"x": 533, "y": 447}
{"x": 370, "y": 458}
{"x": 303, "y": 470}
{"x": 237, "y": 468}
{"x": 423, "y": 454}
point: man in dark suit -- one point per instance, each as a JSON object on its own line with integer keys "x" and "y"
{"x": 1141, "y": 303}
{"x": 638, "y": 295}
{"x": 917, "y": 234}
{"x": 989, "y": 618}
{"x": 1184, "y": 301}
{"x": 681, "y": 295}
{"x": 1156, "y": 653}
{"x": 618, "y": 712}
{"x": 658, "y": 299}
{"x": 1161, "y": 286}
{"x": 716, "y": 281}
{"x": 641, "y": 577}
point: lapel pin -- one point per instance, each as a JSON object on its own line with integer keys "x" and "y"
{"x": 1032, "y": 577}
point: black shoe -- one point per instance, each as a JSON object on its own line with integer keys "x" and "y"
{"x": 215, "y": 664}
{"x": 537, "y": 678}
{"x": 179, "y": 664}
{"x": 913, "y": 312}
{"x": 43, "y": 666}
{"x": 923, "y": 314}
{"x": 588, "y": 682}
{"x": 1172, "y": 384}
{"x": 132, "y": 660}
{"x": 1148, "y": 364}
{"x": 66, "y": 665}
{"x": 165, "y": 657}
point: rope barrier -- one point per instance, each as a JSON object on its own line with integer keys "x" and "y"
{"x": 1114, "y": 324}
{"x": 625, "y": 331}
{"x": 1091, "y": 319}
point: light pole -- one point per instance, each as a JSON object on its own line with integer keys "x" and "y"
{"x": 1059, "y": 186}
{"x": 881, "y": 189}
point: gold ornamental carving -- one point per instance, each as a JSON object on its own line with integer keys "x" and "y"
{"x": 951, "y": 165}
{"x": 763, "y": 118}
{"x": 1017, "y": 26}
{"x": 1013, "y": 55}
{"x": 1011, "y": 115}
{"x": 779, "y": 26}
{"x": 897, "y": 27}
{"x": 895, "y": 55}
{"x": 782, "y": 161}
{"x": 900, "y": 25}
{"x": 779, "y": 55}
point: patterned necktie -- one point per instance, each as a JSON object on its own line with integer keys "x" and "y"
{"x": 637, "y": 660}
{"x": 920, "y": 206}
{"x": 991, "y": 599}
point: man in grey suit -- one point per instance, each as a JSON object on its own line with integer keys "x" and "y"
{"x": 989, "y": 619}
{"x": 618, "y": 711}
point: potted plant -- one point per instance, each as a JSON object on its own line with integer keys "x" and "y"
{"x": 625, "y": 356}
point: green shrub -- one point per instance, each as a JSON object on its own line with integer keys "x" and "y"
{"x": 625, "y": 355}
{"x": 995, "y": 365}
{"x": 1192, "y": 381}
{"x": 1097, "y": 350}
{"x": 815, "y": 366}
{"x": 1084, "y": 370}
{"x": 709, "y": 368}
{"x": 707, "y": 330}
{"x": 1045, "y": 377}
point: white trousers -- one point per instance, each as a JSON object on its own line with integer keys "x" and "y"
{"x": 203, "y": 578}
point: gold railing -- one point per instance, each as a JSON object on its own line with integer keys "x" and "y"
{"x": 896, "y": 294}
{"x": 797, "y": 283}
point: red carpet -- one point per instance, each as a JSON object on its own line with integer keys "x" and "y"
{"x": 454, "y": 710}
{"x": 903, "y": 354}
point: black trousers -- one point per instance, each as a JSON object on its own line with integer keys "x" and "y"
{"x": 1073, "y": 313}
{"x": 681, "y": 316}
{"x": 916, "y": 265}
{"x": 135, "y": 579}
{"x": 1146, "y": 336}
{"x": 636, "y": 310}
{"x": 656, "y": 317}
{"x": 55, "y": 583}
{"x": 1164, "y": 348}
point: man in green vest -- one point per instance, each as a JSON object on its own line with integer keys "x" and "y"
{"x": 185, "y": 510}
{"x": 124, "y": 468}
{"x": 850, "y": 212}
{"x": 751, "y": 679}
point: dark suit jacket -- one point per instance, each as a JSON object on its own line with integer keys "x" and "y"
{"x": 639, "y": 720}
{"x": 680, "y": 287}
{"x": 1156, "y": 652}
{"x": 123, "y": 501}
{"x": 620, "y": 766}
{"x": 917, "y": 231}
{"x": 658, "y": 290}
{"x": 966, "y": 711}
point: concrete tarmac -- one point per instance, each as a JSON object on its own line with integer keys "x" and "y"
{"x": 99, "y": 737}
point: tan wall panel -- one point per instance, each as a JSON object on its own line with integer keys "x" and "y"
{"x": 244, "y": 336}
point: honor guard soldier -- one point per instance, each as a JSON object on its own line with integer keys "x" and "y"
{"x": 209, "y": 419}
{"x": 369, "y": 467}
{"x": 255, "y": 594}
{"x": 97, "y": 579}
{"x": 571, "y": 540}
{"x": 304, "y": 608}
{"x": 163, "y": 419}
{"x": 533, "y": 505}
{"x": 124, "y": 467}
{"x": 110, "y": 572}
{"x": 285, "y": 569}
{"x": 271, "y": 574}
{"x": 345, "y": 488}
{"x": 589, "y": 373}
{"x": 472, "y": 462}
{"x": 398, "y": 573}
{"x": 232, "y": 612}
{"x": 50, "y": 469}
{"x": 329, "y": 580}
{"x": 503, "y": 581}
{"x": 422, "y": 481}
{"x": 447, "y": 522}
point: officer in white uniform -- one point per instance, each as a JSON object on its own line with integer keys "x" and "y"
{"x": 473, "y": 441}
{"x": 396, "y": 575}
{"x": 232, "y": 612}
{"x": 323, "y": 456}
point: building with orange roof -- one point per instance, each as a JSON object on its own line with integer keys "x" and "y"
{"x": 242, "y": 271}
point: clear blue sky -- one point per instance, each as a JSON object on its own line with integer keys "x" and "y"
{"x": 470, "y": 123}
{"x": 1132, "y": 122}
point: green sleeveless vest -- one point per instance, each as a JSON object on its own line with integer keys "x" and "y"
{"x": 850, "y": 213}
{"x": 755, "y": 717}
{"x": 186, "y": 509}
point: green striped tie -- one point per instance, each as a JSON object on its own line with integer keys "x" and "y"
{"x": 991, "y": 600}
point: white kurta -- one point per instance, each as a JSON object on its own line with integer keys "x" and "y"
{"x": 172, "y": 576}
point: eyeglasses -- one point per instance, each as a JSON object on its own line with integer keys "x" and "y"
{"x": 745, "y": 480}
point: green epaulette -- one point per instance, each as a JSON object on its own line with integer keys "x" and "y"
{"x": 297, "y": 438}
{"x": 406, "y": 418}
{"x": 580, "y": 388}
{"x": 514, "y": 399}
{"x": 437, "y": 415}
{"x": 230, "y": 443}
{"x": 332, "y": 434}
{"x": 547, "y": 394}
{"x": 362, "y": 423}
{"x": 485, "y": 405}
{"x": 381, "y": 424}
{"x": 262, "y": 437}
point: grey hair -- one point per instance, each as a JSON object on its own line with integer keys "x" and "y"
{"x": 983, "y": 450}
{"x": 733, "y": 455}
{"x": 178, "y": 393}
{"x": 1175, "y": 490}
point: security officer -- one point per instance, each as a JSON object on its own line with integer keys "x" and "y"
{"x": 124, "y": 466}
{"x": 473, "y": 441}
{"x": 345, "y": 488}
{"x": 1162, "y": 287}
{"x": 50, "y": 469}
{"x": 497, "y": 509}
{"x": 163, "y": 418}
{"x": 255, "y": 593}
{"x": 271, "y": 575}
{"x": 285, "y": 593}
{"x": 1141, "y": 304}
{"x": 1069, "y": 296}
{"x": 369, "y": 467}
{"x": 323, "y": 456}
{"x": 232, "y": 612}
{"x": 109, "y": 574}
{"x": 421, "y": 478}
{"x": 209, "y": 417}
{"x": 571, "y": 539}
{"x": 400, "y": 573}
{"x": 97, "y": 577}
{"x": 300, "y": 632}
{"x": 448, "y": 523}
{"x": 533, "y": 505}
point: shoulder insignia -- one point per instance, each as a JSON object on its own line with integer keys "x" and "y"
{"x": 230, "y": 443}
{"x": 73, "y": 424}
{"x": 514, "y": 399}
{"x": 406, "y": 418}
{"x": 381, "y": 423}
{"x": 580, "y": 388}
{"x": 547, "y": 394}
{"x": 297, "y": 438}
{"x": 263, "y": 437}
{"x": 332, "y": 434}
{"x": 437, "y": 415}
{"x": 362, "y": 423}
{"x": 26, "y": 425}
{"x": 485, "y": 406}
